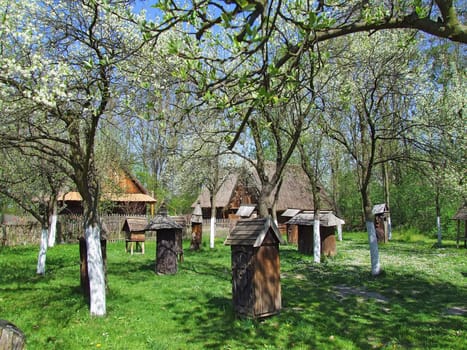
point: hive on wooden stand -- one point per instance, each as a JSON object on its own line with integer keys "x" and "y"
{"x": 381, "y": 213}
{"x": 461, "y": 215}
{"x": 292, "y": 229}
{"x": 134, "y": 229}
{"x": 196, "y": 227}
{"x": 168, "y": 242}
{"x": 327, "y": 228}
{"x": 256, "y": 286}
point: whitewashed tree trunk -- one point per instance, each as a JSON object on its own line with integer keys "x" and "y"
{"x": 212, "y": 235}
{"x": 316, "y": 240}
{"x": 374, "y": 253}
{"x": 53, "y": 227}
{"x": 95, "y": 271}
{"x": 42, "y": 252}
{"x": 339, "y": 232}
{"x": 389, "y": 227}
{"x": 438, "y": 226}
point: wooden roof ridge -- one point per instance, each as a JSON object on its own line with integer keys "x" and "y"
{"x": 461, "y": 213}
{"x": 252, "y": 232}
{"x": 135, "y": 180}
{"x": 162, "y": 222}
{"x": 135, "y": 224}
{"x": 223, "y": 195}
{"x": 326, "y": 218}
{"x": 115, "y": 196}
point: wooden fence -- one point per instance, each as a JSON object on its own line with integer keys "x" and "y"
{"x": 25, "y": 230}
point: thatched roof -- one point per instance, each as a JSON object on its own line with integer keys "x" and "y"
{"x": 135, "y": 224}
{"x": 224, "y": 194}
{"x": 461, "y": 214}
{"x": 326, "y": 219}
{"x": 252, "y": 232}
{"x": 162, "y": 222}
{"x": 295, "y": 191}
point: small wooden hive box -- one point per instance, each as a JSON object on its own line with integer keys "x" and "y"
{"x": 134, "y": 229}
{"x": 461, "y": 215}
{"x": 196, "y": 227}
{"x": 292, "y": 229}
{"x": 381, "y": 213}
{"x": 168, "y": 243}
{"x": 256, "y": 288}
{"x": 327, "y": 226}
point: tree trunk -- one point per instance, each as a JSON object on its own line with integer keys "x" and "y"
{"x": 263, "y": 200}
{"x": 339, "y": 232}
{"x": 438, "y": 216}
{"x": 386, "y": 199}
{"x": 96, "y": 273}
{"x": 316, "y": 238}
{"x": 372, "y": 239}
{"x": 212, "y": 234}
{"x": 42, "y": 252}
{"x": 53, "y": 226}
{"x": 374, "y": 252}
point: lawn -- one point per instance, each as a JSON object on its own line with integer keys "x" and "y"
{"x": 420, "y": 302}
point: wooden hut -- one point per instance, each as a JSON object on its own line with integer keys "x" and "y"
{"x": 291, "y": 229}
{"x": 327, "y": 227}
{"x": 122, "y": 192}
{"x": 381, "y": 213}
{"x": 134, "y": 229}
{"x": 256, "y": 288}
{"x": 461, "y": 215}
{"x": 168, "y": 247}
{"x": 196, "y": 228}
{"x": 241, "y": 188}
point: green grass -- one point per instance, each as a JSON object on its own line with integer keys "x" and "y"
{"x": 334, "y": 305}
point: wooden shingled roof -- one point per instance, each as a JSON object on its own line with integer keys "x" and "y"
{"x": 120, "y": 186}
{"x": 461, "y": 214}
{"x": 252, "y": 232}
{"x": 135, "y": 224}
{"x": 162, "y": 222}
{"x": 326, "y": 219}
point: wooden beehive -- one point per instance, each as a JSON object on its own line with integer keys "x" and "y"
{"x": 256, "y": 288}
{"x": 381, "y": 213}
{"x": 168, "y": 243}
{"x": 196, "y": 227}
{"x": 327, "y": 227}
{"x": 134, "y": 229}
{"x": 291, "y": 229}
{"x": 461, "y": 216}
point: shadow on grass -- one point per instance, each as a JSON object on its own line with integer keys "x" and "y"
{"x": 393, "y": 310}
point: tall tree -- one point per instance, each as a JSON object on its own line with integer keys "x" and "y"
{"x": 70, "y": 81}
{"x": 372, "y": 74}
{"x": 33, "y": 185}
